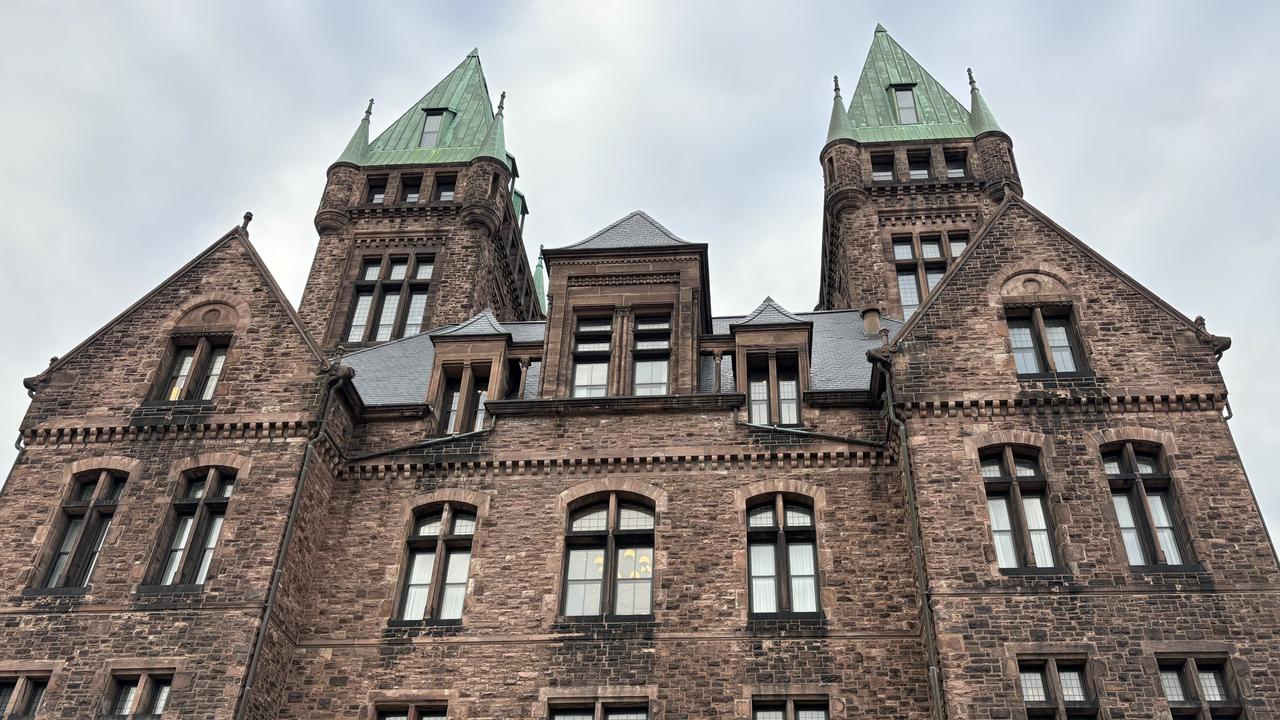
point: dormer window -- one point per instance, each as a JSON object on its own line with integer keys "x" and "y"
{"x": 904, "y": 99}
{"x": 431, "y": 128}
{"x": 463, "y": 411}
{"x": 592, "y": 345}
{"x": 652, "y": 350}
{"x": 764, "y": 385}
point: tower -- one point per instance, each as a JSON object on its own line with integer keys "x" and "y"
{"x": 421, "y": 227}
{"x": 909, "y": 176}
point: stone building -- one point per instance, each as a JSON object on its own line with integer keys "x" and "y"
{"x": 988, "y": 477}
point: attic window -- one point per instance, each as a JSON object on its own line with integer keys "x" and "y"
{"x": 431, "y": 128}
{"x": 904, "y": 99}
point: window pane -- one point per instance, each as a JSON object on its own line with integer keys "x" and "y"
{"x": 761, "y": 517}
{"x": 1072, "y": 685}
{"x": 1025, "y": 467}
{"x": 1002, "y": 532}
{"x": 758, "y": 389}
{"x": 181, "y": 536}
{"x": 6, "y": 693}
{"x": 464, "y": 523}
{"x": 398, "y": 270}
{"x": 626, "y": 715}
{"x": 572, "y": 715}
{"x": 1033, "y": 686}
{"x": 387, "y": 316}
{"x": 788, "y": 401}
{"x": 933, "y": 276}
{"x": 1060, "y": 344}
{"x": 909, "y": 291}
{"x": 770, "y": 714}
{"x": 590, "y": 379}
{"x": 634, "y": 518}
{"x": 764, "y": 588}
{"x": 216, "y": 360}
{"x": 425, "y": 269}
{"x": 804, "y": 581}
{"x": 903, "y": 250}
{"x": 1212, "y": 686}
{"x": 35, "y": 696}
{"x": 1025, "y": 355}
{"x": 181, "y": 371}
{"x": 431, "y": 129}
{"x": 95, "y": 549}
{"x": 445, "y": 187}
{"x": 1038, "y": 528}
{"x": 126, "y": 693}
{"x": 635, "y": 581}
{"x": 592, "y": 520}
{"x": 991, "y": 468}
{"x": 1163, "y": 522}
{"x": 1148, "y": 464}
{"x": 799, "y": 516}
{"x": 651, "y": 377}
{"x": 429, "y": 526}
{"x": 918, "y": 164}
{"x": 418, "y": 585}
{"x": 159, "y": 696}
{"x": 371, "y": 269}
{"x": 360, "y": 318}
{"x": 1171, "y": 683}
{"x": 457, "y": 567}
{"x": 881, "y": 167}
{"x": 210, "y": 543}
{"x": 931, "y": 248}
{"x": 585, "y": 575}
{"x": 417, "y": 310}
{"x": 811, "y": 714}
{"x": 1129, "y": 529}
{"x": 906, "y": 106}
{"x": 1111, "y": 464}
{"x": 957, "y": 247}
{"x": 70, "y": 537}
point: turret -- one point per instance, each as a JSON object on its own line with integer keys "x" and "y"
{"x": 842, "y": 162}
{"x": 488, "y": 180}
{"x": 342, "y": 186}
{"x": 994, "y": 147}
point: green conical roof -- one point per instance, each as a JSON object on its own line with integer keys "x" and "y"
{"x": 359, "y": 144}
{"x": 872, "y": 112}
{"x": 494, "y": 144}
{"x": 540, "y": 283}
{"x": 468, "y": 120}
{"x": 839, "y": 129}
{"x": 980, "y": 118}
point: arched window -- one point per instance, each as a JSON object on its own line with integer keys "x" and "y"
{"x": 197, "y": 354}
{"x": 1017, "y": 508}
{"x": 85, "y": 519}
{"x": 438, "y": 563}
{"x": 196, "y": 522}
{"x": 782, "y": 555}
{"x": 609, "y": 537}
{"x": 1142, "y": 495}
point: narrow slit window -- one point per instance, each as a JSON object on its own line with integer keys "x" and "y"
{"x": 431, "y": 126}
{"x": 905, "y": 100}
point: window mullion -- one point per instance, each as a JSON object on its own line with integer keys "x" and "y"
{"x": 1042, "y": 338}
{"x": 790, "y": 710}
{"x": 782, "y": 564}
{"x": 1018, "y": 514}
{"x": 1055, "y": 687}
{"x": 436, "y": 595}
{"x": 1192, "y": 682}
{"x": 610, "y": 557}
{"x": 775, "y": 406}
{"x": 1148, "y": 521}
{"x": 398, "y": 329}
{"x": 198, "y": 362}
{"x": 199, "y": 525}
{"x": 140, "y": 698}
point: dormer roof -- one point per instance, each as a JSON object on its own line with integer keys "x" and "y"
{"x": 636, "y": 229}
{"x": 769, "y": 314}
{"x": 482, "y": 325}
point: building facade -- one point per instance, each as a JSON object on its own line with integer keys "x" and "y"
{"x": 990, "y": 476}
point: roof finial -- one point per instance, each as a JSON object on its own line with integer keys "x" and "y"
{"x": 247, "y": 217}
{"x": 502, "y": 100}
{"x": 837, "y": 81}
{"x": 973, "y": 84}
{"x": 369, "y": 110}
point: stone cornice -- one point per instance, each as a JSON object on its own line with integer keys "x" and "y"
{"x": 299, "y": 425}
{"x": 999, "y": 407}
{"x": 620, "y": 404}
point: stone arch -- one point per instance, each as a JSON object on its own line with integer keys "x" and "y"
{"x": 574, "y": 495}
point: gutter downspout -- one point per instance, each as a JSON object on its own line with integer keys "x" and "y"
{"x": 928, "y": 628}
{"x": 341, "y": 375}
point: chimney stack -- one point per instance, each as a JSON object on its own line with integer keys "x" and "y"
{"x": 871, "y": 322}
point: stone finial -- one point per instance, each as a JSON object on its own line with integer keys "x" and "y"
{"x": 248, "y": 216}
{"x": 973, "y": 84}
{"x": 502, "y": 101}
{"x": 837, "y": 83}
{"x": 369, "y": 110}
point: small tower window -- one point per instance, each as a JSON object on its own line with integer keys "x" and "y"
{"x": 882, "y": 167}
{"x": 918, "y": 165}
{"x": 431, "y": 128}
{"x": 957, "y": 163}
{"x": 904, "y": 98}
{"x": 377, "y": 190}
{"x": 410, "y": 188}
{"x": 445, "y": 185}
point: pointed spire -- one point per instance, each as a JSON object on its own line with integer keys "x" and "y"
{"x": 873, "y": 112}
{"x": 839, "y": 129}
{"x": 359, "y": 144}
{"x": 880, "y": 28}
{"x": 539, "y": 283}
{"x": 980, "y": 117}
{"x": 495, "y": 141}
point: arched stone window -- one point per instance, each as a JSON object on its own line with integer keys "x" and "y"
{"x": 82, "y": 528}
{"x": 1142, "y": 495}
{"x": 782, "y": 555}
{"x": 610, "y": 536}
{"x": 1017, "y": 507}
{"x": 197, "y": 355}
{"x": 438, "y": 563}
{"x": 195, "y": 524}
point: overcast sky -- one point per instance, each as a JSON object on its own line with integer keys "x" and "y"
{"x": 134, "y": 134}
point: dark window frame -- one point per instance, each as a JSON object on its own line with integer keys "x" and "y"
{"x": 769, "y": 370}
{"x": 878, "y": 158}
{"x": 1137, "y": 487}
{"x": 209, "y": 354}
{"x": 1036, "y": 318}
{"x": 917, "y": 154}
{"x": 790, "y": 707}
{"x": 921, "y": 267}
{"x": 208, "y": 513}
{"x": 781, "y": 535}
{"x": 658, "y": 329}
{"x": 377, "y": 288}
{"x": 957, "y": 154}
{"x": 410, "y": 710}
{"x": 597, "y": 709}
{"x": 444, "y": 188}
{"x": 1055, "y": 705}
{"x": 444, "y": 544}
{"x": 375, "y": 189}
{"x": 26, "y": 697}
{"x": 1196, "y": 703}
{"x": 94, "y": 499}
{"x": 611, "y": 539}
{"x": 1014, "y": 489}
{"x": 152, "y": 693}
{"x": 463, "y": 395}
{"x": 411, "y": 188}
{"x": 586, "y": 332}
{"x": 894, "y": 91}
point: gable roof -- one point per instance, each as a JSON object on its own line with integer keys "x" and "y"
{"x": 1010, "y": 201}
{"x": 636, "y": 229}
{"x": 872, "y": 112}
{"x": 467, "y": 131}
{"x": 769, "y": 313}
{"x": 236, "y": 234}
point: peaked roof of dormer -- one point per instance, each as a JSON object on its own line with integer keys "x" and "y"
{"x": 467, "y": 131}
{"x": 486, "y": 323}
{"x": 872, "y": 112}
{"x": 770, "y": 313}
{"x": 637, "y": 229}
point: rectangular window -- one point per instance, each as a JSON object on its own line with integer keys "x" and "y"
{"x": 1199, "y": 688}
{"x": 770, "y": 709}
{"x": 959, "y": 241}
{"x": 413, "y": 712}
{"x": 1049, "y": 685}
{"x": 1162, "y": 526}
{"x": 398, "y": 268}
{"x": 788, "y": 390}
{"x": 198, "y": 516}
{"x": 1016, "y": 508}
{"x": 651, "y": 377}
{"x": 758, "y": 389}
{"x": 360, "y": 318}
{"x": 957, "y": 163}
{"x": 903, "y": 250}
{"x": 450, "y": 406}
{"x": 410, "y": 188}
{"x": 802, "y": 567}
{"x": 1002, "y": 531}
{"x": 1038, "y": 529}
{"x": 1043, "y": 340}
{"x": 180, "y": 373}
{"x": 1058, "y": 330}
{"x": 425, "y": 267}
{"x": 881, "y": 167}
{"x": 593, "y": 344}
{"x": 418, "y": 586}
{"x": 457, "y": 567}
{"x": 905, "y": 101}
{"x": 431, "y": 125}
{"x": 213, "y": 371}
{"x": 933, "y": 276}
{"x": 602, "y": 710}
{"x": 909, "y": 292}
{"x": 591, "y": 379}
{"x": 87, "y": 516}
{"x": 417, "y": 311}
{"x": 377, "y": 191}
{"x": 1026, "y": 352}
{"x": 387, "y": 316}
{"x": 445, "y": 185}
{"x": 584, "y": 582}
{"x": 372, "y": 270}
{"x": 634, "y": 585}
{"x": 918, "y": 165}
{"x": 195, "y": 369}
{"x": 1129, "y": 529}
{"x": 764, "y": 578}
{"x": 652, "y": 353}
{"x": 931, "y": 247}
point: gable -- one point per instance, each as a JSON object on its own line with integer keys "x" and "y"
{"x": 958, "y": 341}
{"x": 271, "y": 364}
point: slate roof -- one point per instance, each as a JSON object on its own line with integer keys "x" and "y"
{"x": 637, "y": 229}
{"x": 769, "y": 312}
{"x": 483, "y": 324}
